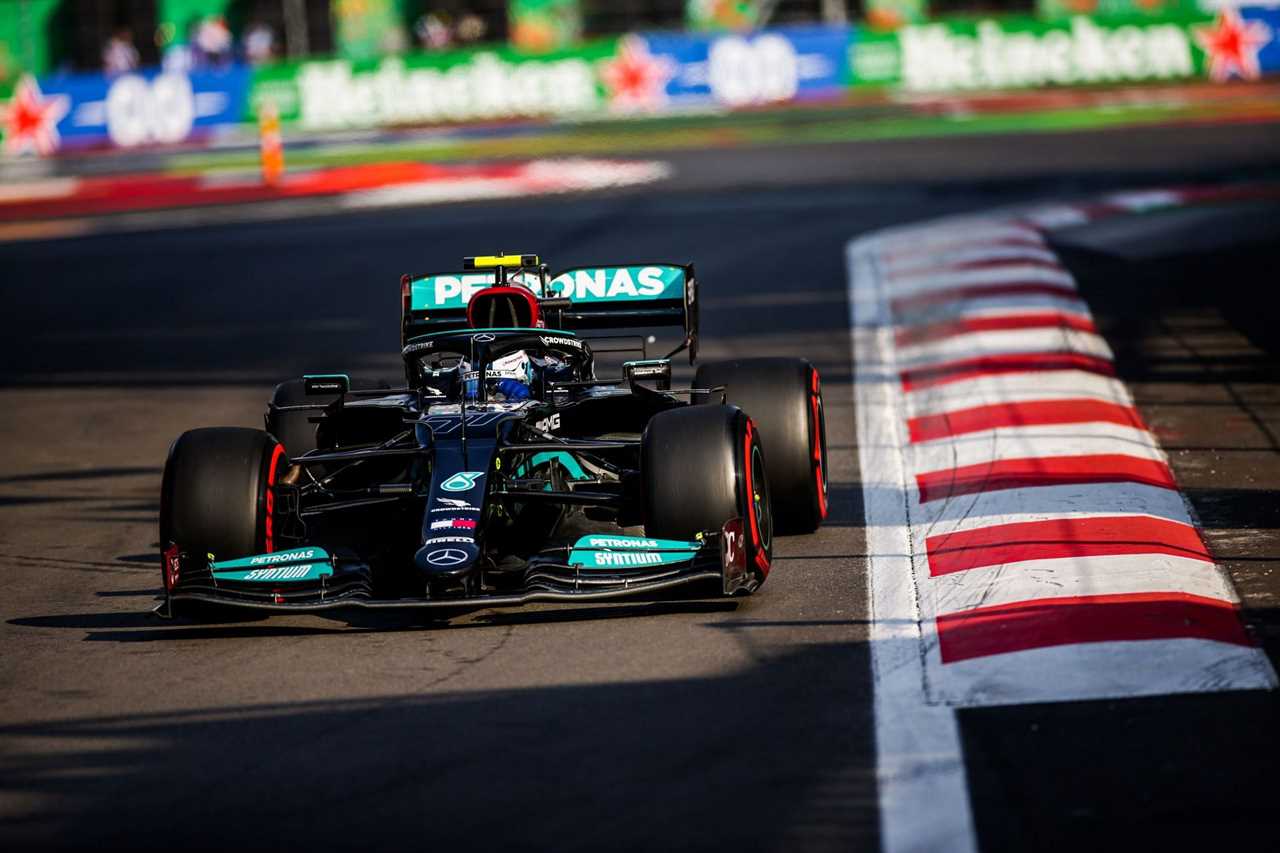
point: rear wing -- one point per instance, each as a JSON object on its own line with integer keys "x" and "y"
{"x": 579, "y": 298}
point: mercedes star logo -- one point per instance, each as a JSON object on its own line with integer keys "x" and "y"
{"x": 447, "y": 557}
{"x": 484, "y": 339}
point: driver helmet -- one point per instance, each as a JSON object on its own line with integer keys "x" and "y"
{"x": 507, "y": 379}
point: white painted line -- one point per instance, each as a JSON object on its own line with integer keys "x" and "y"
{"x": 1014, "y": 388}
{"x": 929, "y": 282}
{"x": 924, "y": 801}
{"x": 1025, "y": 444}
{"x": 1017, "y": 506}
{"x": 998, "y": 305}
{"x": 1005, "y": 342}
{"x": 538, "y": 177}
{"x": 1111, "y": 575}
{"x": 968, "y": 254}
{"x": 1084, "y": 671}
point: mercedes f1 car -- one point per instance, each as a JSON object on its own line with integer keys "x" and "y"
{"x": 504, "y": 470}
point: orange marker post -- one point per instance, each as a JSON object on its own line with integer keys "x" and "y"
{"x": 271, "y": 143}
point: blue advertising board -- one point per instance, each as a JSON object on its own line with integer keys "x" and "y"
{"x": 748, "y": 69}
{"x": 1267, "y": 32}
{"x": 146, "y": 107}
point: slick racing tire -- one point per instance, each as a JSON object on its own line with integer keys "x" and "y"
{"x": 783, "y": 396}
{"x": 701, "y": 466}
{"x": 294, "y": 429}
{"x": 216, "y": 495}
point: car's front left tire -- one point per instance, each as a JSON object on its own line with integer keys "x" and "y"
{"x": 701, "y": 466}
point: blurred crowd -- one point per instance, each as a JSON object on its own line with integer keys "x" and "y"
{"x": 209, "y": 43}
{"x": 440, "y": 30}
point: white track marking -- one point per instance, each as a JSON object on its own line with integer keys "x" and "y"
{"x": 969, "y": 255}
{"x": 1024, "y": 444}
{"x": 995, "y": 306}
{"x": 1055, "y": 339}
{"x": 537, "y": 177}
{"x": 1097, "y": 670}
{"x": 1013, "y": 388}
{"x": 924, "y": 801}
{"x": 1016, "y": 506}
{"x": 1037, "y": 579}
{"x": 960, "y": 232}
{"x": 929, "y": 282}
{"x": 1127, "y": 439}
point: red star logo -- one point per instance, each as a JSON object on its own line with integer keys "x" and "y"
{"x": 31, "y": 120}
{"x": 1231, "y": 45}
{"x": 635, "y": 78}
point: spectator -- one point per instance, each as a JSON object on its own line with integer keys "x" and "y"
{"x": 176, "y": 57}
{"x": 213, "y": 42}
{"x": 471, "y": 28}
{"x": 119, "y": 56}
{"x": 259, "y": 44}
{"x": 433, "y": 32}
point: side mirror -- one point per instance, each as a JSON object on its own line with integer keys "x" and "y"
{"x": 326, "y": 384}
{"x": 657, "y": 370}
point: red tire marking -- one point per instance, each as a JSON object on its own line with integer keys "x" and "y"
{"x": 966, "y": 325}
{"x": 761, "y": 560}
{"x": 1031, "y": 413}
{"x": 268, "y": 538}
{"x": 978, "y": 291}
{"x": 1087, "y": 619}
{"x": 816, "y": 387}
{"x": 992, "y": 365}
{"x": 1096, "y": 536}
{"x": 1043, "y": 471}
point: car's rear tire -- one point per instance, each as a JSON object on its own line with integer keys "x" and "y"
{"x": 294, "y": 429}
{"x": 701, "y": 466}
{"x": 216, "y": 493}
{"x": 783, "y": 396}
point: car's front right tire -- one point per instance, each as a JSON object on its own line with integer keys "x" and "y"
{"x": 216, "y": 497}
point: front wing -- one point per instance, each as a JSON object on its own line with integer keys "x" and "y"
{"x": 311, "y": 579}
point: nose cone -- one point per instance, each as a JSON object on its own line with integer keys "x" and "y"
{"x": 446, "y": 560}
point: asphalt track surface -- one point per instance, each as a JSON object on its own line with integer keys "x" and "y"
{"x": 743, "y": 724}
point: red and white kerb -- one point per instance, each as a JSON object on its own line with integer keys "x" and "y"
{"x": 1051, "y": 553}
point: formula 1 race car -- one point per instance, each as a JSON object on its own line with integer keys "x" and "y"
{"x": 505, "y": 470}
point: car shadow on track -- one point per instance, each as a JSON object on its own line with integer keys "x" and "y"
{"x": 778, "y": 755}
{"x": 146, "y": 626}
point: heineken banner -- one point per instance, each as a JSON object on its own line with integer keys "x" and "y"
{"x": 429, "y": 88}
{"x": 996, "y": 53}
{"x": 634, "y": 75}
{"x": 642, "y": 75}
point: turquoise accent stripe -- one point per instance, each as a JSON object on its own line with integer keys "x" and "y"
{"x": 570, "y": 464}
{"x": 293, "y": 566}
{"x": 606, "y": 551}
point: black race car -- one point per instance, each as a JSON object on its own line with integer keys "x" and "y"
{"x": 505, "y": 470}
